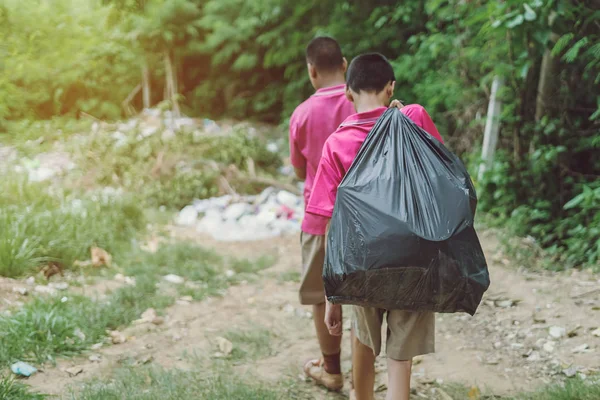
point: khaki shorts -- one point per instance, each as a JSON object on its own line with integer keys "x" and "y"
{"x": 409, "y": 333}
{"x": 312, "y": 291}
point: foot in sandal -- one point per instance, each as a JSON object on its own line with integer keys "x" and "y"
{"x": 315, "y": 369}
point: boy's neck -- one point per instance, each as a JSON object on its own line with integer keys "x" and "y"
{"x": 333, "y": 80}
{"x": 368, "y": 102}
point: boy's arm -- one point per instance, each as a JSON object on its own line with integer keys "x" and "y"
{"x": 300, "y": 173}
{"x": 296, "y": 157}
{"x": 333, "y": 312}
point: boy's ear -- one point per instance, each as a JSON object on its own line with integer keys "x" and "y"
{"x": 312, "y": 71}
{"x": 349, "y": 95}
{"x": 345, "y": 64}
{"x": 390, "y": 89}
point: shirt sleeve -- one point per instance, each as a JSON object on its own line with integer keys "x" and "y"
{"x": 325, "y": 185}
{"x": 420, "y": 117}
{"x": 296, "y": 157}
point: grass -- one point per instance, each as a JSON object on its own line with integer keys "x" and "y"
{"x": 206, "y": 270}
{"x": 10, "y": 389}
{"x": 289, "y": 276}
{"x": 571, "y": 389}
{"x": 152, "y": 383}
{"x": 44, "y": 328}
{"x": 38, "y": 227}
{"x": 249, "y": 345}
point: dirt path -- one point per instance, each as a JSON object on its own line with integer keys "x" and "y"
{"x": 506, "y": 347}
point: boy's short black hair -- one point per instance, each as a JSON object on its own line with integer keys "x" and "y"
{"x": 369, "y": 72}
{"x": 325, "y": 54}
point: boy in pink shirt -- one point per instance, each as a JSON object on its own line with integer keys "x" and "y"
{"x": 370, "y": 87}
{"x": 310, "y": 125}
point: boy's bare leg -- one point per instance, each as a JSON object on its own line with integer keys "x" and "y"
{"x": 363, "y": 370}
{"x": 330, "y": 345}
{"x": 326, "y": 371}
{"x": 398, "y": 379}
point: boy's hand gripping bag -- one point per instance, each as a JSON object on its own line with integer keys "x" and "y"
{"x": 401, "y": 234}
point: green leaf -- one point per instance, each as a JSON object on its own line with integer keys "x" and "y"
{"x": 562, "y": 43}
{"x": 573, "y": 52}
{"x": 530, "y": 15}
{"x": 516, "y": 21}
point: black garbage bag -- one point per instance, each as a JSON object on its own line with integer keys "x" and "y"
{"x": 401, "y": 234}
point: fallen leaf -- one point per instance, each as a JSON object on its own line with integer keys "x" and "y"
{"x": 51, "y": 269}
{"x": 474, "y": 393}
{"x": 100, "y": 257}
{"x": 225, "y": 346}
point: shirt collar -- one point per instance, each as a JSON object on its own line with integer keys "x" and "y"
{"x": 364, "y": 117}
{"x": 337, "y": 89}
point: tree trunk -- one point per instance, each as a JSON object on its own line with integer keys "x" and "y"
{"x": 171, "y": 83}
{"x": 548, "y": 84}
{"x": 146, "y": 94}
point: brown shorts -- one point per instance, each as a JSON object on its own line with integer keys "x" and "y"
{"x": 409, "y": 333}
{"x": 312, "y": 291}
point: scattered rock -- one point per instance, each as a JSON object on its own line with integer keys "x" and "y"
{"x": 45, "y": 289}
{"x": 20, "y": 290}
{"x": 596, "y": 332}
{"x": 549, "y": 346}
{"x": 534, "y": 356}
{"x": 74, "y": 371}
{"x": 557, "y": 332}
{"x": 97, "y": 346}
{"x": 571, "y": 371}
{"x": 149, "y": 316}
{"x": 125, "y": 279}
{"x": 225, "y": 346}
{"x": 117, "y": 337}
{"x": 175, "y": 279}
{"x": 30, "y": 281}
{"x": 505, "y": 303}
{"x": 59, "y": 285}
{"x": 584, "y": 348}
{"x": 23, "y": 369}
{"x": 95, "y": 358}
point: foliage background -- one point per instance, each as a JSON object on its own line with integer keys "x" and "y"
{"x": 244, "y": 59}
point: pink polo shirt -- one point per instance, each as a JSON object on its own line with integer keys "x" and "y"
{"x": 342, "y": 147}
{"x": 310, "y": 125}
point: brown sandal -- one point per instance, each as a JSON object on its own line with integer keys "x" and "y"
{"x": 315, "y": 370}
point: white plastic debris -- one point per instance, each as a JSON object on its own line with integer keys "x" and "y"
{"x": 188, "y": 216}
{"x": 272, "y": 213}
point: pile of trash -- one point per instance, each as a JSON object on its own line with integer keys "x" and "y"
{"x": 243, "y": 218}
